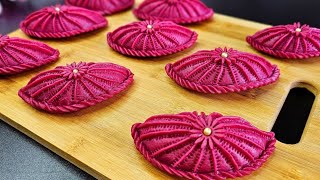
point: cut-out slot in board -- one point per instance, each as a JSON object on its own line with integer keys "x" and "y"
{"x": 294, "y": 114}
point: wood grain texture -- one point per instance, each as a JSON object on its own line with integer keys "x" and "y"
{"x": 98, "y": 139}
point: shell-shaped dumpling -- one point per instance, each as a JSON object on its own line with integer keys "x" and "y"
{"x": 62, "y": 21}
{"x": 106, "y": 7}
{"x": 199, "y": 146}
{"x": 75, "y": 86}
{"x": 222, "y": 71}
{"x": 151, "y": 38}
{"x": 178, "y": 11}
{"x": 18, "y": 55}
{"x": 291, "y": 41}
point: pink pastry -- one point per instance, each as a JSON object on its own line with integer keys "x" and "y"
{"x": 288, "y": 41}
{"x": 62, "y": 21}
{"x": 151, "y": 38}
{"x": 75, "y": 86}
{"x": 178, "y": 11}
{"x": 222, "y": 71}
{"x": 18, "y": 55}
{"x": 199, "y": 146}
{"x": 106, "y": 7}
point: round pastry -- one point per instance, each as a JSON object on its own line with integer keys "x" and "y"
{"x": 76, "y": 86}
{"x": 199, "y": 146}
{"x": 151, "y": 38}
{"x": 106, "y": 7}
{"x": 62, "y": 21}
{"x": 291, "y": 41}
{"x": 222, "y": 71}
{"x": 18, "y": 55}
{"x": 178, "y": 11}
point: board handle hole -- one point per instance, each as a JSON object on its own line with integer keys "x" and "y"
{"x": 294, "y": 114}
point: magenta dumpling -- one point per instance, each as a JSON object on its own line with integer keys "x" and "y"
{"x": 106, "y": 7}
{"x": 178, "y": 11}
{"x": 18, "y": 55}
{"x": 222, "y": 71}
{"x": 291, "y": 41}
{"x": 200, "y": 146}
{"x": 62, "y": 21}
{"x": 76, "y": 86}
{"x": 151, "y": 38}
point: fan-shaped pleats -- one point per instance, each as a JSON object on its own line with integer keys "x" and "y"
{"x": 178, "y": 11}
{"x": 62, "y": 21}
{"x": 106, "y": 7}
{"x": 151, "y": 38}
{"x": 178, "y": 144}
{"x": 209, "y": 72}
{"x": 18, "y": 55}
{"x": 76, "y": 86}
{"x": 288, "y": 41}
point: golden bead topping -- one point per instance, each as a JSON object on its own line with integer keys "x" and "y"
{"x": 207, "y": 131}
{"x": 75, "y": 71}
{"x": 298, "y": 30}
{"x": 224, "y": 55}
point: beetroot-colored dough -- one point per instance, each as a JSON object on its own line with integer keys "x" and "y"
{"x": 62, "y": 21}
{"x": 75, "y": 86}
{"x": 106, "y": 7}
{"x": 209, "y": 72}
{"x": 18, "y": 55}
{"x": 151, "y": 38}
{"x": 178, "y": 11}
{"x": 180, "y": 145}
{"x": 288, "y": 41}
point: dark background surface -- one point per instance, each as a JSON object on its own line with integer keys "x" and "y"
{"x": 23, "y": 158}
{"x": 272, "y": 12}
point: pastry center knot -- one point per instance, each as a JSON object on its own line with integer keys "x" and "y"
{"x": 75, "y": 71}
{"x": 149, "y": 27}
{"x": 224, "y": 56}
{"x": 299, "y": 30}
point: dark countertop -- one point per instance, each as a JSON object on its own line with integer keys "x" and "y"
{"x": 23, "y": 158}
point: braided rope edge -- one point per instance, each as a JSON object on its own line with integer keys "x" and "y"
{"x": 207, "y": 176}
{"x": 281, "y": 54}
{"x": 61, "y": 34}
{"x": 75, "y": 107}
{"x": 204, "y": 17}
{"x": 28, "y": 66}
{"x": 152, "y": 53}
{"x": 217, "y": 89}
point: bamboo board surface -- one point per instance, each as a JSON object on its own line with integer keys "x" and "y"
{"x": 98, "y": 139}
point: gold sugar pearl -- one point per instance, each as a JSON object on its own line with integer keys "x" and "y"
{"x": 149, "y": 26}
{"x": 224, "y": 55}
{"x": 75, "y": 71}
{"x": 298, "y": 30}
{"x": 207, "y": 131}
{"x": 57, "y": 9}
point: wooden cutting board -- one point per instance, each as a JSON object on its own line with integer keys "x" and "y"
{"x": 98, "y": 139}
